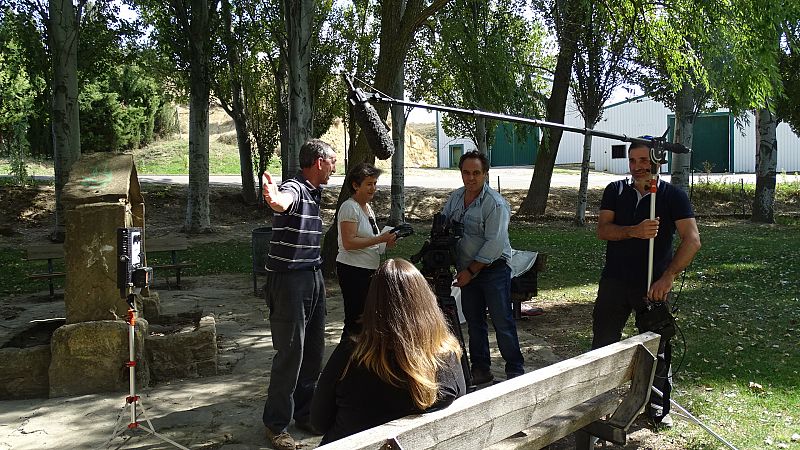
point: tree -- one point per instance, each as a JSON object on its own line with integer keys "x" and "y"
{"x": 399, "y": 22}
{"x": 18, "y": 87}
{"x": 480, "y": 55}
{"x": 182, "y": 30}
{"x": 602, "y": 47}
{"x": 227, "y": 81}
{"x": 565, "y": 18}
{"x": 63, "y": 25}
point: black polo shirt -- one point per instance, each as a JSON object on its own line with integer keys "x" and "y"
{"x": 297, "y": 232}
{"x": 626, "y": 260}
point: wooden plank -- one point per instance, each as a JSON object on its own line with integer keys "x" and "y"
{"x": 487, "y": 416}
{"x": 45, "y": 251}
{"x": 166, "y": 243}
{"x": 46, "y": 275}
{"x": 174, "y": 266}
{"x": 562, "y": 424}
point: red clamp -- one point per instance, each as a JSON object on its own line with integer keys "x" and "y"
{"x": 131, "y": 399}
{"x": 130, "y": 364}
{"x": 133, "y": 425}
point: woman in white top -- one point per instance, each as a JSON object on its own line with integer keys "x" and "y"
{"x": 359, "y": 244}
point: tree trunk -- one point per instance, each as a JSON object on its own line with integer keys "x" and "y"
{"x": 536, "y": 200}
{"x": 198, "y": 218}
{"x": 237, "y": 109}
{"x": 684, "y": 134}
{"x": 65, "y": 128}
{"x": 282, "y": 113}
{"x": 766, "y": 164}
{"x": 397, "y": 214}
{"x": 400, "y": 20}
{"x": 299, "y": 21}
{"x": 580, "y": 210}
{"x": 480, "y": 130}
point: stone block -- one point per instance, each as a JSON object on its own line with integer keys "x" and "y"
{"x": 149, "y": 305}
{"x": 90, "y": 260}
{"x": 184, "y": 355}
{"x": 24, "y": 372}
{"x": 90, "y": 357}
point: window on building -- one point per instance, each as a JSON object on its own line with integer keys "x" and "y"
{"x": 618, "y": 151}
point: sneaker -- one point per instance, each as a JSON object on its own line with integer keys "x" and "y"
{"x": 281, "y": 441}
{"x": 481, "y": 376}
{"x": 308, "y": 427}
{"x": 666, "y": 421}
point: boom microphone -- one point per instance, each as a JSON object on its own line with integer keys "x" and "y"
{"x": 375, "y": 130}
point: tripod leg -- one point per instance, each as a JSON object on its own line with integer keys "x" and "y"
{"x": 450, "y": 311}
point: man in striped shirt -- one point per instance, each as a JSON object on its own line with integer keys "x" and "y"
{"x": 295, "y": 292}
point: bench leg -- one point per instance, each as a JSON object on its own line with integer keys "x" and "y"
{"x": 50, "y": 279}
{"x": 584, "y": 440}
{"x": 177, "y": 271}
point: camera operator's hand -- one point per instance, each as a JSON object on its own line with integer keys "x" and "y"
{"x": 646, "y": 229}
{"x": 660, "y": 288}
{"x": 462, "y": 278}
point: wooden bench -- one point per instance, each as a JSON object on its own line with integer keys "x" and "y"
{"x": 525, "y": 286}
{"x": 49, "y": 252}
{"x": 172, "y": 244}
{"x": 537, "y": 408}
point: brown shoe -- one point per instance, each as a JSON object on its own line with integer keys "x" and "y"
{"x": 281, "y": 441}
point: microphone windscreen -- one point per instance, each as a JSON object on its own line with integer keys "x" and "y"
{"x": 377, "y": 133}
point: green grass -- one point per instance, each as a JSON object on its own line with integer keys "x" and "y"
{"x": 739, "y": 315}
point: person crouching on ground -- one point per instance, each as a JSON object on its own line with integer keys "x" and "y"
{"x": 359, "y": 243}
{"x": 404, "y": 361}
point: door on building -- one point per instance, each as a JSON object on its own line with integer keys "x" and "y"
{"x": 512, "y": 147}
{"x": 711, "y": 145}
{"x": 456, "y": 150}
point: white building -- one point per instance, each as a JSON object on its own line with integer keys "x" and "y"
{"x": 720, "y": 144}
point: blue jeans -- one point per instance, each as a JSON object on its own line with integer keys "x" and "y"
{"x": 491, "y": 288}
{"x": 297, "y": 311}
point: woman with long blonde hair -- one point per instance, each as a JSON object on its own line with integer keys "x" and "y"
{"x": 404, "y": 361}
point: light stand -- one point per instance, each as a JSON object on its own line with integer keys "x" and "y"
{"x": 132, "y": 275}
{"x": 133, "y": 402}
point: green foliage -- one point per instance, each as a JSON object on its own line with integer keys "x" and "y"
{"x": 17, "y": 94}
{"x": 481, "y": 55}
{"x": 120, "y": 111}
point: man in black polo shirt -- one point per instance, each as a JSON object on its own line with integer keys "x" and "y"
{"x": 296, "y": 292}
{"x": 624, "y": 222}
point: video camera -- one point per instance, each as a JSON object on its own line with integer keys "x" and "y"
{"x": 438, "y": 252}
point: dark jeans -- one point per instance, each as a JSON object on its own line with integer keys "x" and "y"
{"x": 354, "y": 282}
{"x": 491, "y": 288}
{"x": 615, "y": 302}
{"x": 296, "y": 303}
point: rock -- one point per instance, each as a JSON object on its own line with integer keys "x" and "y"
{"x": 90, "y": 357}
{"x": 24, "y": 372}
{"x": 184, "y": 355}
{"x": 150, "y": 306}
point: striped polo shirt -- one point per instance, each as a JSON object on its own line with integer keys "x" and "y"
{"x": 297, "y": 232}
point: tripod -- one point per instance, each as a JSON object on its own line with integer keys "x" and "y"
{"x": 133, "y": 401}
{"x": 441, "y": 281}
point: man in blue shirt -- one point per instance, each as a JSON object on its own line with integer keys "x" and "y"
{"x": 484, "y": 275}
{"x": 295, "y": 293}
{"x": 624, "y": 222}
